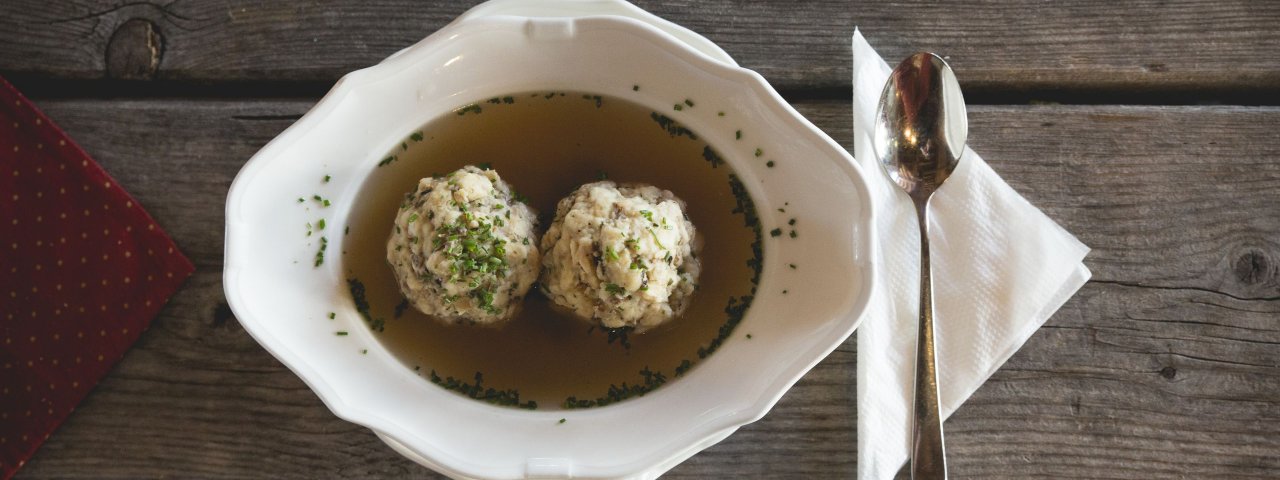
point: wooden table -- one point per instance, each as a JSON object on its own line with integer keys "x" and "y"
{"x": 1150, "y": 129}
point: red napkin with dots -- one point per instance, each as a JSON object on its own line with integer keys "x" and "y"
{"x": 83, "y": 270}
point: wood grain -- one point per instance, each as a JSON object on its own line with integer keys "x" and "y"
{"x": 1167, "y": 365}
{"x": 995, "y": 45}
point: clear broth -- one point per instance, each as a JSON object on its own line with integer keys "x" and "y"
{"x": 545, "y": 146}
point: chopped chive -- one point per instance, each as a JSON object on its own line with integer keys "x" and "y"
{"x": 561, "y": 421}
{"x": 679, "y": 107}
{"x": 791, "y": 222}
{"x": 320, "y": 224}
{"x": 416, "y": 136}
{"x": 688, "y": 102}
{"x": 324, "y": 244}
{"x": 748, "y": 336}
{"x": 364, "y": 351}
{"x": 655, "y": 239}
{"x": 759, "y": 152}
{"x": 738, "y": 134}
{"x": 792, "y": 265}
{"x": 332, "y": 315}
{"x": 635, "y": 88}
{"x": 777, "y": 232}
{"x": 769, "y": 164}
{"x": 720, "y": 114}
{"x": 341, "y": 333}
{"x": 327, "y": 178}
{"x": 793, "y": 234}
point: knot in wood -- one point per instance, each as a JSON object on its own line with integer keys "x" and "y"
{"x": 1253, "y": 267}
{"x": 134, "y": 51}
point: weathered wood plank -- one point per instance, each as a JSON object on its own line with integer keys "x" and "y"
{"x": 995, "y": 45}
{"x": 1173, "y": 197}
{"x": 1166, "y": 366}
{"x": 1093, "y": 395}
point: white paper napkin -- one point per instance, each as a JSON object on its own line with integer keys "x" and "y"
{"x": 1000, "y": 269}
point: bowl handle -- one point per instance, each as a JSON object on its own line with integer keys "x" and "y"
{"x": 588, "y": 8}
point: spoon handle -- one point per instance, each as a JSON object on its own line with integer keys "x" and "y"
{"x": 928, "y": 456}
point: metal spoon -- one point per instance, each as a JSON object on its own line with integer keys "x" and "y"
{"x": 920, "y": 132}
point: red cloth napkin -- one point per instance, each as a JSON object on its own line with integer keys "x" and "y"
{"x": 83, "y": 270}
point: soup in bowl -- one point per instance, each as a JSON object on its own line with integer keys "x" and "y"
{"x": 555, "y": 112}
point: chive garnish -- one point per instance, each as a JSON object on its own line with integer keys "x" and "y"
{"x": 324, "y": 244}
{"x": 362, "y": 304}
{"x": 509, "y": 397}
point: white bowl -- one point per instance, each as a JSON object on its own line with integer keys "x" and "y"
{"x": 505, "y": 47}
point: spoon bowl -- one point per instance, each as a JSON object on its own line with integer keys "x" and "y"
{"x": 921, "y": 124}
